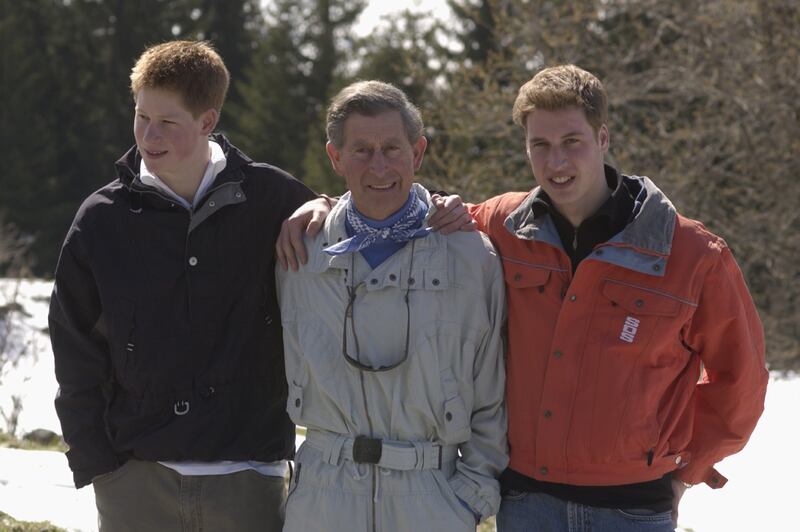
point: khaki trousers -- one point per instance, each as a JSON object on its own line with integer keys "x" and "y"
{"x": 148, "y": 497}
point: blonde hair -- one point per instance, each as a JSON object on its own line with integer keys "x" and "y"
{"x": 193, "y": 69}
{"x": 559, "y": 87}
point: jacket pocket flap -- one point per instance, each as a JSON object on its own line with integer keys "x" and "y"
{"x": 456, "y": 420}
{"x": 640, "y": 300}
{"x": 524, "y": 275}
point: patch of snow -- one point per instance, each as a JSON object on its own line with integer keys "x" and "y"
{"x": 37, "y": 486}
{"x": 761, "y": 492}
{"x": 30, "y": 377}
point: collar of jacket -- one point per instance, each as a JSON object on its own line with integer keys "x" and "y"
{"x": 644, "y": 245}
{"x": 128, "y": 165}
{"x": 226, "y": 189}
{"x": 430, "y": 252}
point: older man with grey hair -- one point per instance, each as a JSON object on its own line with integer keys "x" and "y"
{"x": 393, "y": 343}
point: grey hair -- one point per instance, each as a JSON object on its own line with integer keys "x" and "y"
{"x": 371, "y": 98}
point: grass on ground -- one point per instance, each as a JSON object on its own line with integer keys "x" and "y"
{"x": 9, "y": 524}
{"x": 12, "y": 442}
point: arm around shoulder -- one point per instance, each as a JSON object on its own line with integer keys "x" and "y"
{"x": 307, "y": 219}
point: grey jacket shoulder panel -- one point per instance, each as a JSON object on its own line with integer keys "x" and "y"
{"x": 643, "y": 245}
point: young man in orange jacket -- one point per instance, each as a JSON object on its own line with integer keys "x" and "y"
{"x": 635, "y": 356}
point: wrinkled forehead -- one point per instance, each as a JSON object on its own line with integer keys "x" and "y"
{"x": 378, "y": 129}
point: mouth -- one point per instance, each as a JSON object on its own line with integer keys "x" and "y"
{"x": 562, "y": 179}
{"x": 154, "y": 154}
{"x": 383, "y": 187}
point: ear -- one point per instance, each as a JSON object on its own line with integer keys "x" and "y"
{"x": 208, "y": 121}
{"x": 335, "y": 156}
{"x": 603, "y": 138}
{"x": 419, "y": 151}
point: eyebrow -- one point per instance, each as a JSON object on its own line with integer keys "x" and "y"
{"x": 168, "y": 117}
{"x": 384, "y": 142}
{"x": 575, "y": 133}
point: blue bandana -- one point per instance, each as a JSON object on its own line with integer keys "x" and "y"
{"x": 407, "y": 227}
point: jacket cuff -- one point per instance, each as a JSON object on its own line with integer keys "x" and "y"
{"x": 700, "y": 474}
{"x": 483, "y": 500}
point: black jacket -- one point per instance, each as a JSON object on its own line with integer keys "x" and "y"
{"x": 164, "y": 323}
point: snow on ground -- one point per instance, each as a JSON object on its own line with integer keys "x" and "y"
{"x": 761, "y": 494}
{"x": 37, "y": 485}
{"x": 30, "y": 377}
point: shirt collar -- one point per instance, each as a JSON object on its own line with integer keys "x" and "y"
{"x": 216, "y": 164}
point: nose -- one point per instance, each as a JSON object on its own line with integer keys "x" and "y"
{"x": 152, "y": 132}
{"x": 556, "y": 158}
{"x": 378, "y": 162}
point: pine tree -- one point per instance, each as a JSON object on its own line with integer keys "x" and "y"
{"x": 287, "y": 86}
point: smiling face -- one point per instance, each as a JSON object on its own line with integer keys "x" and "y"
{"x": 173, "y": 143}
{"x": 566, "y": 155}
{"x": 378, "y": 162}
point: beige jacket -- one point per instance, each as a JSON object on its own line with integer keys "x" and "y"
{"x": 449, "y": 390}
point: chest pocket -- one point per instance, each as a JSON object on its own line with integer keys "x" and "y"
{"x": 525, "y": 276}
{"x": 636, "y": 300}
{"x": 634, "y": 318}
{"x": 455, "y": 415}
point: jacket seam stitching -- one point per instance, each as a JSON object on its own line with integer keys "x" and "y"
{"x": 651, "y": 290}
{"x": 532, "y": 265}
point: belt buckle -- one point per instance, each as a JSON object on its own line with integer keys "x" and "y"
{"x": 367, "y": 450}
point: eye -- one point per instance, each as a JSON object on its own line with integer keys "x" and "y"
{"x": 167, "y": 122}
{"x": 571, "y": 141}
{"x": 140, "y": 116}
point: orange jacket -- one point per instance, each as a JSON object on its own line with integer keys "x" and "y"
{"x": 649, "y": 359}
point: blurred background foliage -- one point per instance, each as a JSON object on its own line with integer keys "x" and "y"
{"x": 704, "y": 99}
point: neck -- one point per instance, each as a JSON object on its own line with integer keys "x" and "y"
{"x": 186, "y": 182}
{"x": 577, "y": 213}
{"x": 389, "y": 220}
